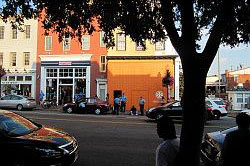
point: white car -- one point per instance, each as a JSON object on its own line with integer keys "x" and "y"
{"x": 218, "y": 107}
{"x": 246, "y": 111}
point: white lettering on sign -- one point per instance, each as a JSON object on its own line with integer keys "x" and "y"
{"x": 65, "y": 63}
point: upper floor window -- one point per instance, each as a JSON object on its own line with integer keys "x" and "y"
{"x": 102, "y": 44}
{"x": 102, "y": 63}
{"x": 1, "y": 32}
{"x": 26, "y": 58}
{"x": 13, "y": 59}
{"x": 27, "y": 31}
{"x": 1, "y": 59}
{"x": 160, "y": 45}
{"x": 14, "y": 33}
{"x": 121, "y": 42}
{"x": 86, "y": 42}
{"x": 239, "y": 98}
{"x": 48, "y": 43}
{"x": 66, "y": 43}
{"x": 139, "y": 46}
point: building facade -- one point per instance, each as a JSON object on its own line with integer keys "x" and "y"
{"x": 18, "y": 50}
{"x": 138, "y": 72}
{"x": 70, "y": 68}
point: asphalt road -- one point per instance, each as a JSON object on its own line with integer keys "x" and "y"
{"x": 110, "y": 140}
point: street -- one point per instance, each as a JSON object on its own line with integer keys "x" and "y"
{"x": 110, "y": 140}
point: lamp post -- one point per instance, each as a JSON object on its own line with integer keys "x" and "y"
{"x": 219, "y": 72}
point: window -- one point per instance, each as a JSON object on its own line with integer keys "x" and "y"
{"x": 80, "y": 72}
{"x": 13, "y": 59}
{"x": 102, "y": 44}
{"x": 48, "y": 43}
{"x": 102, "y": 63}
{"x": 26, "y": 58}
{"x": 121, "y": 42}
{"x": 160, "y": 45}
{"x": 12, "y": 78}
{"x": 28, "y": 78}
{"x": 27, "y": 31}
{"x": 85, "y": 42}
{"x": 239, "y": 98}
{"x": 139, "y": 46}
{"x": 247, "y": 97}
{"x": 51, "y": 72}
{"x": 66, "y": 72}
{"x": 66, "y": 43}
{"x": 19, "y": 78}
{"x": 14, "y": 33}
{"x": 1, "y": 59}
{"x": 1, "y": 32}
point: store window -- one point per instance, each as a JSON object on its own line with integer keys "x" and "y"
{"x": 121, "y": 42}
{"x": 1, "y": 32}
{"x": 27, "y": 31}
{"x": 26, "y": 58}
{"x": 12, "y": 78}
{"x": 48, "y": 43}
{"x": 19, "y": 78}
{"x": 51, "y": 72}
{"x": 102, "y": 63}
{"x": 80, "y": 89}
{"x": 66, "y": 43}
{"x": 14, "y": 33}
{"x": 28, "y": 78}
{"x": 13, "y": 59}
{"x": 247, "y": 97}
{"x": 66, "y": 72}
{"x": 239, "y": 98}
{"x": 80, "y": 72}
{"x": 86, "y": 42}
{"x": 160, "y": 46}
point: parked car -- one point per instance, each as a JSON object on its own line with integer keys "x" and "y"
{"x": 172, "y": 109}
{"x": 87, "y": 105}
{"x": 218, "y": 107}
{"x": 18, "y": 102}
{"x": 24, "y": 142}
{"x": 212, "y": 146}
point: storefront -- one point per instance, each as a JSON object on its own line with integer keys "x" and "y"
{"x": 64, "y": 79}
{"x": 20, "y": 84}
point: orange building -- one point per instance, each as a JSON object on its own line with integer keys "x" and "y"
{"x": 69, "y": 68}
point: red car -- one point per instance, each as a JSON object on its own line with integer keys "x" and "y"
{"x": 87, "y": 105}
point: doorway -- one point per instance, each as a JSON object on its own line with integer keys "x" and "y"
{"x": 65, "y": 94}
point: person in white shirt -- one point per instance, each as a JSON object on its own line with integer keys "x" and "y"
{"x": 167, "y": 151}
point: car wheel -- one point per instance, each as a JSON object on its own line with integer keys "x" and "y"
{"x": 98, "y": 111}
{"x": 19, "y": 107}
{"x": 216, "y": 114}
{"x": 69, "y": 110}
{"x": 159, "y": 115}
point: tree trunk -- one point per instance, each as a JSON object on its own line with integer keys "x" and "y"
{"x": 194, "y": 111}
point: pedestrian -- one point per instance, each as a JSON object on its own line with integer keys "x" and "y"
{"x": 41, "y": 96}
{"x": 123, "y": 102}
{"x": 166, "y": 152}
{"x": 162, "y": 102}
{"x": 141, "y": 103}
{"x": 133, "y": 110}
{"x": 117, "y": 102}
{"x": 236, "y": 146}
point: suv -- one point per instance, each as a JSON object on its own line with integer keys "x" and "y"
{"x": 218, "y": 107}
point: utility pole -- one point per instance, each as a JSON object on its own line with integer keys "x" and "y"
{"x": 219, "y": 71}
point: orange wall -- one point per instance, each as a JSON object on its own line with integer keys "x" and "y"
{"x": 75, "y": 48}
{"x": 138, "y": 78}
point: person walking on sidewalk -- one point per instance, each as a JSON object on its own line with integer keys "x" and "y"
{"x": 117, "y": 102}
{"x": 123, "y": 102}
{"x": 141, "y": 103}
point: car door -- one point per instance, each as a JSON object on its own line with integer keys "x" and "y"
{"x": 15, "y": 100}
{"x": 91, "y": 105}
{"x": 175, "y": 110}
{"x": 4, "y": 102}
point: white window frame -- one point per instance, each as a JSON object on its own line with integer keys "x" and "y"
{"x": 85, "y": 45}
{"x": 160, "y": 45}
{"x": 45, "y": 41}
{"x": 66, "y": 43}
{"x": 13, "y": 56}
{"x": 120, "y": 44}
{"x": 102, "y": 66}
{"x": 14, "y": 33}
{"x": 1, "y": 32}
{"x": 102, "y": 44}
{"x": 239, "y": 96}
{"x": 27, "y": 31}
{"x": 26, "y": 58}
{"x": 139, "y": 47}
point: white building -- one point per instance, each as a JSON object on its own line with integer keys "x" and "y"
{"x": 18, "y": 50}
{"x": 240, "y": 98}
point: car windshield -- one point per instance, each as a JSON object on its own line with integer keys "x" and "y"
{"x": 219, "y": 102}
{"x": 229, "y": 130}
{"x": 14, "y": 125}
{"x": 171, "y": 103}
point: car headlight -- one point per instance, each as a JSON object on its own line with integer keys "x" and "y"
{"x": 44, "y": 152}
{"x": 151, "y": 109}
{"x": 65, "y": 105}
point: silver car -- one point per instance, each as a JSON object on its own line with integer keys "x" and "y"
{"x": 17, "y": 102}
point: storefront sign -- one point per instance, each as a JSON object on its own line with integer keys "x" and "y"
{"x": 10, "y": 82}
{"x": 65, "y": 63}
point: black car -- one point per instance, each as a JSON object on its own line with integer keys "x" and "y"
{"x": 87, "y": 105}
{"x": 212, "y": 146}
{"x": 174, "y": 110}
{"x": 24, "y": 142}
